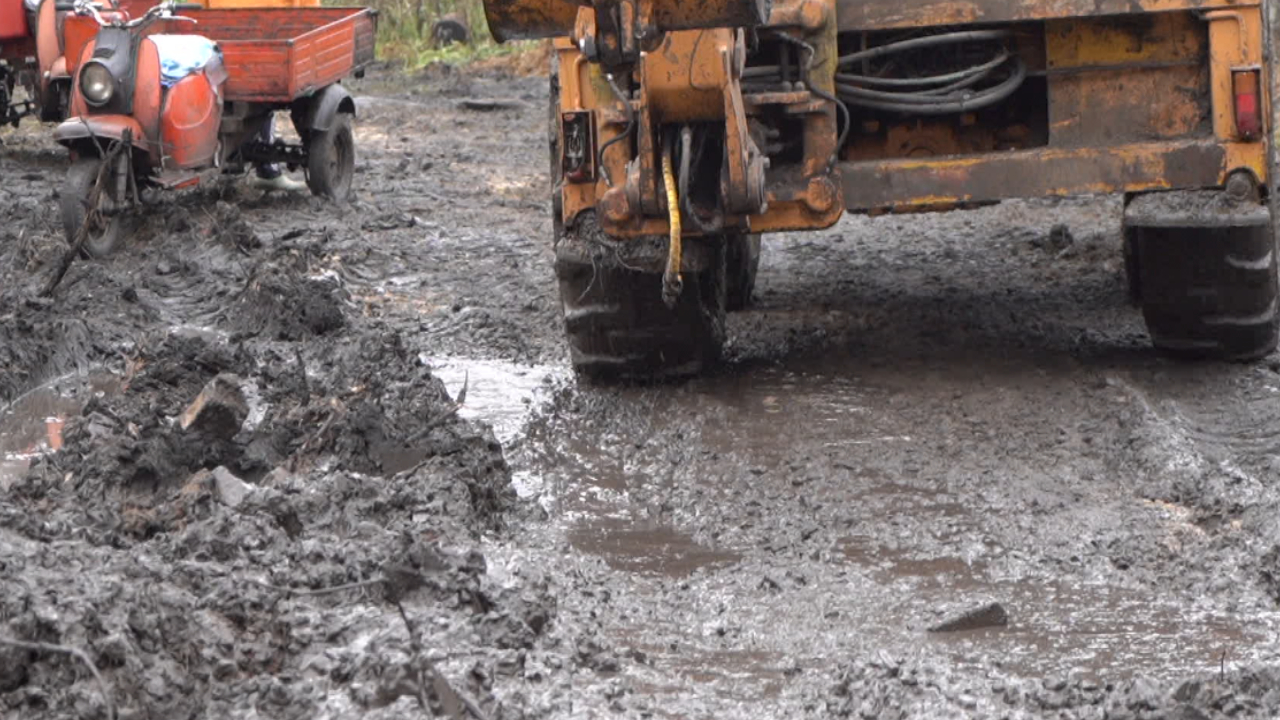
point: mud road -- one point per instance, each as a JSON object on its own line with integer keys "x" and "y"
{"x": 920, "y": 416}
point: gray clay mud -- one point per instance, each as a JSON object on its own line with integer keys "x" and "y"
{"x": 919, "y": 417}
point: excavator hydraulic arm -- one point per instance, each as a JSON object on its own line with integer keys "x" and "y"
{"x": 642, "y": 77}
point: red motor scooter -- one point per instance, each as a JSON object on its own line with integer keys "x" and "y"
{"x": 194, "y": 105}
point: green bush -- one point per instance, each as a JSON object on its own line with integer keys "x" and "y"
{"x": 404, "y": 30}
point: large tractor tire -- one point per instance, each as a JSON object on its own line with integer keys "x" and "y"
{"x": 616, "y": 323}
{"x": 1203, "y": 268}
{"x": 742, "y": 264}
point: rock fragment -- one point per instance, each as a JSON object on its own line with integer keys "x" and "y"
{"x": 231, "y": 490}
{"x": 986, "y": 616}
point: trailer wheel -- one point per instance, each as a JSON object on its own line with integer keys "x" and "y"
{"x": 1206, "y": 279}
{"x": 616, "y": 323}
{"x": 105, "y": 231}
{"x": 742, "y": 263}
{"x": 331, "y": 159}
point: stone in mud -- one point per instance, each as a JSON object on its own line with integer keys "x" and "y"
{"x": 231, "y": 490}
{"x": 219, "y": 410}
{"x": 986, "y": 616}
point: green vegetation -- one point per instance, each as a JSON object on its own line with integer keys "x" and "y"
{"x": 404, "y": 31}
{"x": 420, "y": 54}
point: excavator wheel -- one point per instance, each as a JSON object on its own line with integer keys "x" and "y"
{"x": 616, "y": 323}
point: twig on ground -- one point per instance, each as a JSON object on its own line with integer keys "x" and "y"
{"x": 302, "y": 374}
{"x": 441, "y": 683}
{"x": 310, "y": 592}
{"x": 77, "y": 653}
{"x": 417, "y": 652}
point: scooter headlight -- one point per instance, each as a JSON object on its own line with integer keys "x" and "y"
{"x": 96, "y": 83}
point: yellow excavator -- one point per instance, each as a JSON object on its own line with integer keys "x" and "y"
{"x": 682, "y": 131}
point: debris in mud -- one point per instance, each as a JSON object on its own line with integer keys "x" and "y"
{"x": 231, "y": 229}
{"x": 280, "y": 303}
{"x": 987, "y": 616}
{"x": 1060, "y": 237}
{"x": 219, "y": 410}
{"x": 223, "y": 562}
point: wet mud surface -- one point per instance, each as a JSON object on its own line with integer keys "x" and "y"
{"x": 920, "y": 415}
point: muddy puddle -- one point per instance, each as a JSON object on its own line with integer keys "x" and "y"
{"x": 503, "y": 395}
{"x": 836, "y": 507}
{"x": 32, "y": 424}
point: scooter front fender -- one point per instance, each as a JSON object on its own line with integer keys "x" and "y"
{"x": 79, "y": 133}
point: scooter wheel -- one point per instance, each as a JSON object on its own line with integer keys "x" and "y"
{"x": 105, "y": 231}
{"x": 331, "y": 160}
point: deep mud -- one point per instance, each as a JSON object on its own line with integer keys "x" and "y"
{"x": 921, "y": 415}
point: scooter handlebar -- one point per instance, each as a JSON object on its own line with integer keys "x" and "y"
{"x": 162, "y": 11}
{"x": 85, "y": 7}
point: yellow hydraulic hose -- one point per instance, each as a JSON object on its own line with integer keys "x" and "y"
{"x": 671, "y": 282}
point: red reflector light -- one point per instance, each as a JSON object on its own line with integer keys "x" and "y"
{"x": 1248, "y": 104}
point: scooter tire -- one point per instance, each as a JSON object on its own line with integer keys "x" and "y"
{"x": 331, "y": 160}
{"x": 76, "y": 189}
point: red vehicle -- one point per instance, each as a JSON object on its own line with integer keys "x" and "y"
{"x": 32, "y": 44}
{"x": 188, "y": 123}
{"x": 29, "y": 50}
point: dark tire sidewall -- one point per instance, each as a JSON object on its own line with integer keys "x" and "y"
{"x": 1189, "y": 293}
{"x": 331, "y": 160}
{"x": 742, "y": 261}
{"x": 76, "y": 188}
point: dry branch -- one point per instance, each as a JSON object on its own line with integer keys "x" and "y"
{"x": 442, "y": 686}
{"x": 92, "y": 214}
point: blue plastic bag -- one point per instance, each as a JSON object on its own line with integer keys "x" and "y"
{"x": 182, "y": 55}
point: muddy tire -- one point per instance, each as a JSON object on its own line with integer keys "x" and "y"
{"x": 107, "y": 232}
{"x": 331, "y": 160}
{"x": 618, "y": 327}
{"x": 742, "y": 264}
{"x": 1208, "y": 290}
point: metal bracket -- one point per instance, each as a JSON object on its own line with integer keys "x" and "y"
{"x": 578, "y": 146}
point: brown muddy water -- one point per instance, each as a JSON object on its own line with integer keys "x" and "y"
{"x": 31, "y": 425}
